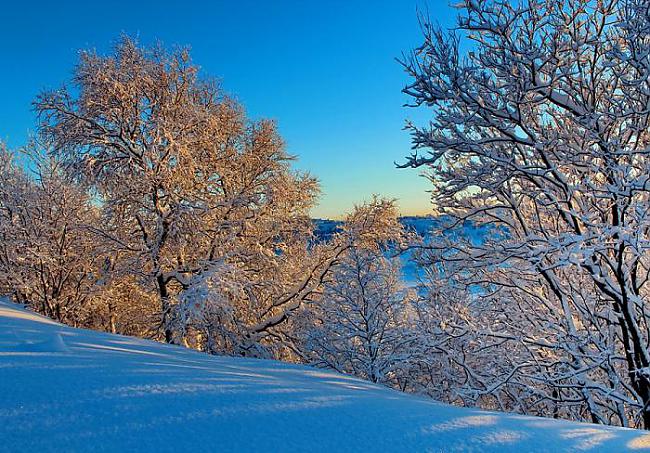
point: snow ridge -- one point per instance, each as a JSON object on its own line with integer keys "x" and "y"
{"x": 65, "y": 389}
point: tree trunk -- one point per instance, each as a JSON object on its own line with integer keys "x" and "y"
{"x": 165, "y": 308}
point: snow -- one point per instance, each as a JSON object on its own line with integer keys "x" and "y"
{"x": 69, "y": 389}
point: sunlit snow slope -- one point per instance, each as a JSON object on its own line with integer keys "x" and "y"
{"x": 64, "y": 389}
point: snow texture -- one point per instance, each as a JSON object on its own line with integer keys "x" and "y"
{"x": 66, "y": 389}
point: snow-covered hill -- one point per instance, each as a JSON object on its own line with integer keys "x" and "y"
{"x": 65, "y": 389}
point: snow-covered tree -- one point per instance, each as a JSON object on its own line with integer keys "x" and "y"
{"x": 292, "y": 283}
{"x": 185, "y": 181}
{"x": 358, "y": 324}
{"x": 200, "y": 205}
{"x": 461, "y": 355}
{"x": 540, "y": 130}
{"x": 48, "y": 258}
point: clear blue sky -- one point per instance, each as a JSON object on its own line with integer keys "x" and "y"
{"x": 325, "y": 71}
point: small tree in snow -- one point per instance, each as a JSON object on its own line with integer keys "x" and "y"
{"x": 48, "y": 258}
{"x": 358, "y": 323}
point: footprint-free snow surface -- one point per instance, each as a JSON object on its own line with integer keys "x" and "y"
{"x": 65, "y": 389}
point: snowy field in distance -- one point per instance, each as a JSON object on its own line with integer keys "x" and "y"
{"x": 65, "y": 389}
{"x": 422, "y": 225}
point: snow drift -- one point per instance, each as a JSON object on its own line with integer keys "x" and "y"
{"x": 65, "y": 389}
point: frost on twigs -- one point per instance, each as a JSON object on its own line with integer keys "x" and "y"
{"x": 540, "y": 133}
{"x": 159, "y": 209}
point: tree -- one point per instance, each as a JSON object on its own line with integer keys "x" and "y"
{"x": 358, "y": 326}
{"x": 293, "y": 285}
{"x": 541, "y": 131}
{"x": 185, "y": 181}
{"x": 199, "y": 204}
{"x": 48, "y": 258}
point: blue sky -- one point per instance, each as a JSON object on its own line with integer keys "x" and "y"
{"x": 325, "y": 71}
